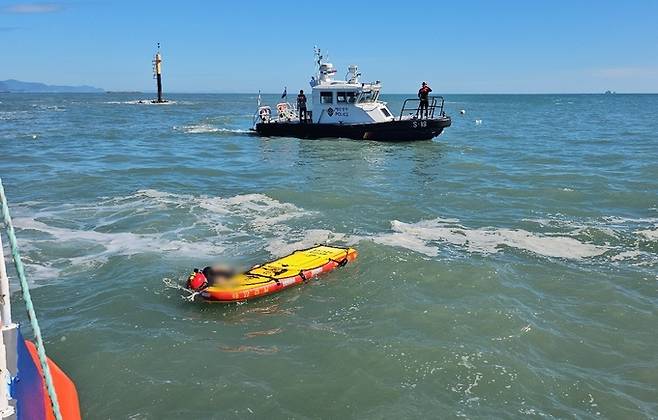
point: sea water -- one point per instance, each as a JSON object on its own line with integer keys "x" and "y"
{"x": 508, "y": 268}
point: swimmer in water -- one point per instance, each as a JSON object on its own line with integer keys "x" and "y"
{"x": 216, "y": 275}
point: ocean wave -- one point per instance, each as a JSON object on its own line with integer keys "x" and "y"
{"x": 196, "y": 228}
{"x": 281, "y": 246}
{"x": 201, "y": 227}
{"x": 13, "y": 115}
{"x": 650, "y": 234}
{"x": 615, "y": 228}
{"x": 208, "y": 128}
{"x": 423, "y": 236}
{"x": 54, "y": 108}
{"x": 102, "y": 245}
{"x": 608, "y": 239}
{"x": 141, "y": 102}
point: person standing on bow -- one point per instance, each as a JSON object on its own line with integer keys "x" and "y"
{"x": 423, "y": 95}
{"x": 301, "y": 106}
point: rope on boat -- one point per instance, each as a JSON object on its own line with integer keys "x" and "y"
{"x": 172, "y": 284}
{"x": 25, "y": 288}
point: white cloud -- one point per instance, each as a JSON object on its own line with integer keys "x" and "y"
{"x": 30, "y": 8}
{"x": 626, "y": 72}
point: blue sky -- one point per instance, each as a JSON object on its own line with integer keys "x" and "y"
{"x": 467, "y": 46}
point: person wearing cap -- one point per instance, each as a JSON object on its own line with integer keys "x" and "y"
{"x": 423, "y": 95}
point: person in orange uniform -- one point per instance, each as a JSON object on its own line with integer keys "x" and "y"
{"x": 423, "y": 95}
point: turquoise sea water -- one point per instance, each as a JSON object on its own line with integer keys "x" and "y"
{"x": 509, "y": 268}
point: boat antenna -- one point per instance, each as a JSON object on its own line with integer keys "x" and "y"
{"x": 318, "y": 55}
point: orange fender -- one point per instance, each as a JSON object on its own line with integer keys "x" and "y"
{"x": 67, "y": 395}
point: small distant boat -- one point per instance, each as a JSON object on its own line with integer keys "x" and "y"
{"x": 24, "y": 393}
{"x": 351, "y": 109}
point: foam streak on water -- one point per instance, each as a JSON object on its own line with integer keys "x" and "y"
{"x": 507, "y": 269}
{"x": 487, "y": 240}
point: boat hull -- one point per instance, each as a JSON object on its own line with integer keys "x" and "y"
{"x": 404, "y": 130}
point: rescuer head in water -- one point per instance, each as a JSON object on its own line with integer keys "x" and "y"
{"x": 216, "y": 275}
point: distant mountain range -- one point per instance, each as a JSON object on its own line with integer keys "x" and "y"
{"x": 16, "y": 86}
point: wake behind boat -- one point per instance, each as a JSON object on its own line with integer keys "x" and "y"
{"x": 351, "y": 109}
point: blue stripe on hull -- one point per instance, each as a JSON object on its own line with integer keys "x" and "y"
{"x": 27, "y": 387}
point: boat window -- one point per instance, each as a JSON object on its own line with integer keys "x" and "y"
{"x": 326, "y": 97}
{"x": 375, "y": 96}
{"x": 366, "y": 96}
{"x": 341, "y": 97}
{"x": 351, "y": 97}
{"x": 385, "y": 112}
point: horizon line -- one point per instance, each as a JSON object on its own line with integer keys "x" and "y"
{"x": 278, "y": 93}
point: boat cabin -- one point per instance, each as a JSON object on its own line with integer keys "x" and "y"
{"x": 345, "y": 101}
{"x": 334, "y": 101}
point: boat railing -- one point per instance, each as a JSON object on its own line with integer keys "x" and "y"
{"x": 412, "y": 107}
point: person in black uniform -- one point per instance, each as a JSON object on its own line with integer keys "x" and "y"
{"x": 301, "y": 106}
{"x": 423, "y": 95}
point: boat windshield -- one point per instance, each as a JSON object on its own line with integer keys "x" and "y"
{"x": 368, "y": 96}
{"x": 346, "y": 97}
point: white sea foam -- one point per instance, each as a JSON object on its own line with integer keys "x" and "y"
{"x": 621, "y": 221}
{"x": 422, "y": 237}
{"x": 118, "y": 243}
{"x": 13, "y": 115}
{"x": 202, "y": 226}
{"x": 628, "y": 255}
{"x": 55, "y": 108}
{"x": 197, "y": 129}
{"x": 92, "y": 229}
{"x": 208, "y": 128}
{"x": 282, "y": 246}
{"x": 140, "y": 102}
{"x": 650, "y": 234}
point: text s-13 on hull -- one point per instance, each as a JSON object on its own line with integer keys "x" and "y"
{"x": 351, "y": 109}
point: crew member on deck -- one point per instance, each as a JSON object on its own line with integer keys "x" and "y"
{"x": 423, "y": 95}
{"x": 301, "y": 106}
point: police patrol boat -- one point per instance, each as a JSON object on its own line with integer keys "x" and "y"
{"x": 350, "y": 109}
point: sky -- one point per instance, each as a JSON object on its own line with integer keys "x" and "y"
{"x": 458, "y": 46}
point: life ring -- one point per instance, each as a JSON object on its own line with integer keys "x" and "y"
{"x": 282, "y": 108}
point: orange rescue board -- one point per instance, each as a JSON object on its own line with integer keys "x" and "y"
{"x": 277, "y": 275}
